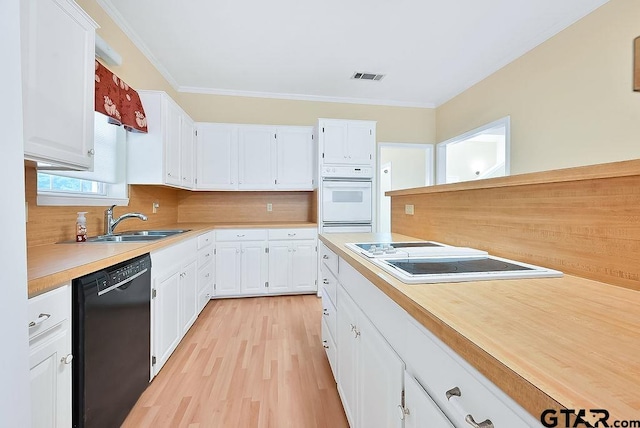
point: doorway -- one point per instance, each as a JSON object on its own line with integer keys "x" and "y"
{"x": 401, "y": 166}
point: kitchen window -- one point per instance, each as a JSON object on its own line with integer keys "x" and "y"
{"x": 105, "y": 185}
{"x": 480, "y": 153}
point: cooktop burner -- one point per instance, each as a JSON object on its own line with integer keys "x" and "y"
{"x": 397, "y": 245}
{"x": 434, "y": 266}
{"x": 459, "y": 268}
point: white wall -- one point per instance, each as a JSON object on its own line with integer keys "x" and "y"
{"x": 14, "y": 375}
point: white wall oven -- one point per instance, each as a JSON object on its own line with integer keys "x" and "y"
{"x": 346, "y": 200}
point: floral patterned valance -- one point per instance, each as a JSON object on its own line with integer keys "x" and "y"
{"x": 118, "y": 101}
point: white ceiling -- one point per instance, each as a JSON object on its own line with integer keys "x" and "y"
{"x": 430, "y": 50}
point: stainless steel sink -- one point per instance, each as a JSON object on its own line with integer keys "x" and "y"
{"x": 125, "y": 238}
{"x": 134, "y": 236}
{"x": 168, "y": 232}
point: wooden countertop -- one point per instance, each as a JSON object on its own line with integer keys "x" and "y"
{"x": 547, "y": 342}
{"x": 50, "y": 266}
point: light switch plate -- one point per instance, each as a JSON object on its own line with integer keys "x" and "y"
{"x": 408, "y": 209}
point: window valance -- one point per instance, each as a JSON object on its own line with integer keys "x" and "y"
{"x": 118, "y": 101}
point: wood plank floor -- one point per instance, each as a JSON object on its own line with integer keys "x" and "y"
{"x": 253, "y": 362}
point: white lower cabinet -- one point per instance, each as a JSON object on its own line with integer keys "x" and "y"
{"x": 206, "y": 268}
{"x": 50, "y": 358}
{"x": 254, "y": 262}
{"x": 382, "y": 351}
{"x": 174, "y": 304}
{"x": 370, "y": 373}
{"x": 420, "y": 410}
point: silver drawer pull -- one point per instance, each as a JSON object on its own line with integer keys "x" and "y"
{"x": 291, "y": 234}
{"x": 325, "y": 281}
{"x": 324, "y": 344}
{"x": 41, "y": 318}
{"x": 325, "y": 257}
{"x": 207, "y": 255}
{"x": 325, "y": 312}
{"x": 240, "y": 235}
{"x": 468, "y": 418}
{"x": 66, "y": 359}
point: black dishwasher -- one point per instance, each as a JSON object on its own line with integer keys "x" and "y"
{"x": 111, "y": 342}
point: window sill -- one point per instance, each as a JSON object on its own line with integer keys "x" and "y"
{"x": 79, "y": 201}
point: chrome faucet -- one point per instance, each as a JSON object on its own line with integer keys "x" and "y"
{"x": 110, "y": 223}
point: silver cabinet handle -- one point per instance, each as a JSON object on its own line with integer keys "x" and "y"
{"x": 455, "y": 392}
{"x": 41, "y": 318}
{"x": 291, "y": 234}
{"x": 353, "y": 327}
{"x": 240, "y": 235}
{"x": 403, "y": 411}
{"x": 207, "y": 255}
{"x": 357, "y": 332}
{"x": 325, "y": 257}
{"x": 66, "y": 359}
{"x": 91, "y": 152}
{"x": 207, "y": 275}
{"x": 324, "y": 344}
{"x": 325, "y": 281}
{"x": 325, "y": 312}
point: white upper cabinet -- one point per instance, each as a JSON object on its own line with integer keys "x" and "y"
{"x": 254, "y": 157}
{"x": 165, "y": 154}
{"x": 295, "y": 158}
{"x": 216, "y": 156}
{"x": 347, "y": 142}
{"x": 58, "y": 54}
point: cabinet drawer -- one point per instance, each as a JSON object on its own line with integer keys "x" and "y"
{"x": 205, "y": 256}
{"x": 205, "y": 276}
{"x": 49, "y": 309}
{"x": 206, "y": 239}
{"x": 288, "y": 234}
{"x": 330, "y": 348}
{"x": 439, "y": 369}
{"x": 329, "y": 258}
{"x": 203, "y": 298}
{"x": 329, "y": 313}
{"x": 241, "y": 235}
{"x": 330, "y": 284}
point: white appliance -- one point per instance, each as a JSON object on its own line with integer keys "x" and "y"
{"x": 346, "y": 199}
{"x": 426, "y": 262}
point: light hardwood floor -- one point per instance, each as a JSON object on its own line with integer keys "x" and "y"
{"x": 253, "y": 362}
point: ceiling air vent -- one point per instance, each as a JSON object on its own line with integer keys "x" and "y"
{"x": 367, "y": 76}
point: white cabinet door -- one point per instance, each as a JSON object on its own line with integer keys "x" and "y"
{"x": 279, "y": 266}
{"x": 50, "y": 380}
{"x": 360, "y": 142}
{"x": 303, "y": 266}
{"x": 173, "y": 139}
{"x": 348, "y": 355}
{"x": 254, "y": 267}
{"x": 256, "y": 169}
{"x": 167, "y": 325}
{"x": 294, "y": 150}
{"x": 187, "y": 152}
{"x": 217, "y": 156}
{"x": 334, "y": 142}
{"x": 188, "y": 295}
{"x": 58, "y": 41}
{"x": 227, "y": 269}
{"x": 380, "y": 380}
{"x": 421, "y": 411}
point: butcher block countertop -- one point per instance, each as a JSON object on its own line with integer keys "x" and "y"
{"x": 50, "y": 266}
{"x": 547, "y": 342}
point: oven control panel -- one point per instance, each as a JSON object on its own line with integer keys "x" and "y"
{"x": 346, "y": 172}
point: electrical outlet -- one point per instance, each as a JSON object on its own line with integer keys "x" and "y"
{"x": 269, "y": 207}
{"x": 408, "y": 209}
{"x": 156, "y": 205}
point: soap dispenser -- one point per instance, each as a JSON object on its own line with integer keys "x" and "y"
{"x": 81, "y": 227}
